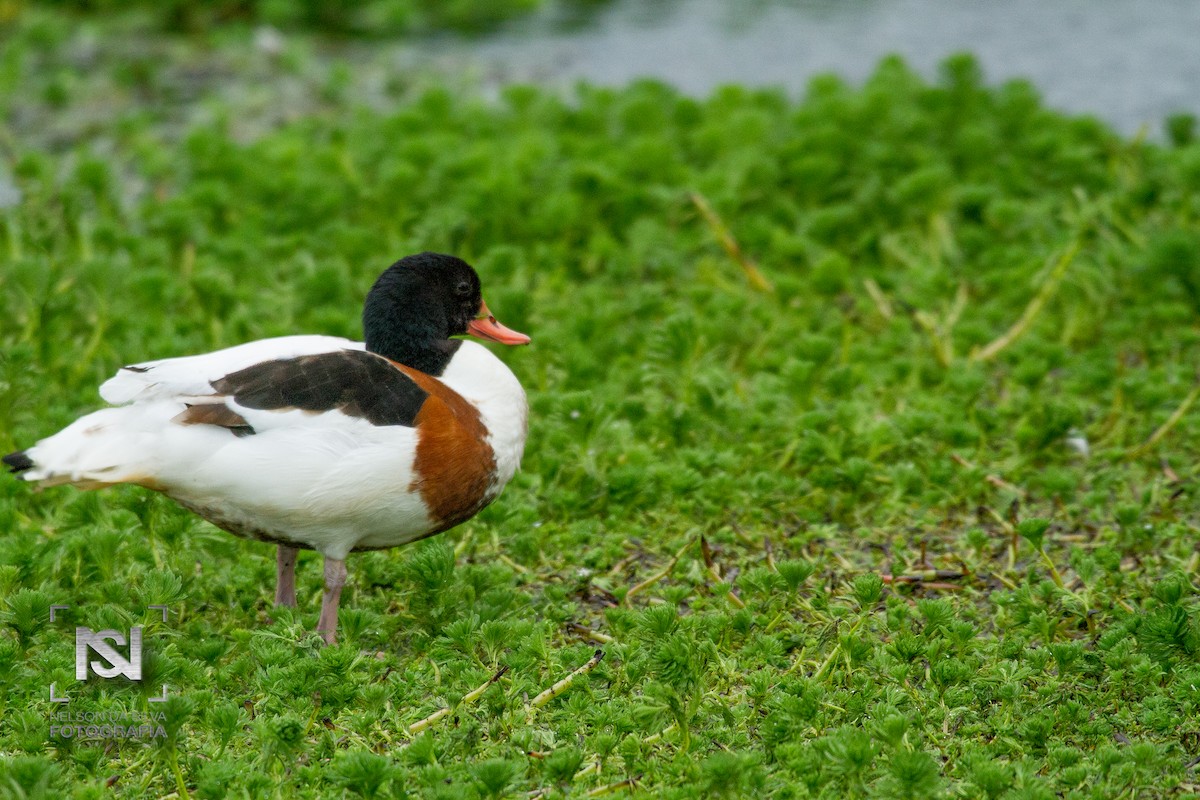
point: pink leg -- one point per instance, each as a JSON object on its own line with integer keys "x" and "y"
{"x": 335, "y": 579}
{"x": 285, "y": 576}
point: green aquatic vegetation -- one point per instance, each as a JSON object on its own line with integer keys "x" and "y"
{"x": 911, "y": 516}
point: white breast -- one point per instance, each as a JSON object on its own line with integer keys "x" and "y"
{"x": 487, "y": 383}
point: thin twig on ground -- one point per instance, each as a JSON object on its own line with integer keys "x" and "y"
{"x": 588, "y": 633}
{"x": 468, "y": 698}
{"x": 924, "y": 584}
{"x": 562, "y": 686}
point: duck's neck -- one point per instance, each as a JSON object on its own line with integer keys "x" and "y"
{"x": 431, "y": 357}
{"x": 407, "y": 340}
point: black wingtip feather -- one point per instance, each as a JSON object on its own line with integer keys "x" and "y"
{"x": 18, "y": 461}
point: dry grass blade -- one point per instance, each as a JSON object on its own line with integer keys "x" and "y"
{"x": 730, "y": 245}
{"x": 1166, "y": 427}
{"x": 600, "y": 791}
{"x": 710, "y": 566}
{"x": 1044, "y": 293}
{"x": 994, "y": 480}
{"x": 941, "y": 331}
{"x": 882, "y": 304}
{"x": 656, "y": 577}
{"x": 770, "y": 550}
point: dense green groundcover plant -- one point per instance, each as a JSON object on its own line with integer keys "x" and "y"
{"x": 344, "y": 17}
{"x": 893, "y": 522}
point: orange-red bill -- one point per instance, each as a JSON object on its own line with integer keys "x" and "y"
{"x": 485, "y": 326}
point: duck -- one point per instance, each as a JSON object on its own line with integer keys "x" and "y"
{"x": 316, "y": 442}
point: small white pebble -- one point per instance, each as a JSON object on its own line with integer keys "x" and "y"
{"x": 268, "y": 40}
{"x": 1079, "y": 443}
{"x": 10, "y": 194}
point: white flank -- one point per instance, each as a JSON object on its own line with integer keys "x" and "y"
{"x": 326, "y": 480}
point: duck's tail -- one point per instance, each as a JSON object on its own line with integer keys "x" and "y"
{"x": 94, "y": 451}
{"x": 17, "y": 462}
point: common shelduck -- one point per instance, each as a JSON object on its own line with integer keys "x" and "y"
{"x": 318, "y": 442}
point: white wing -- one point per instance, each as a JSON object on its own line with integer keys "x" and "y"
{"x": 191, "y": 376}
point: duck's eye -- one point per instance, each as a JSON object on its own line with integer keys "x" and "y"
{"x": 463, "y": 288}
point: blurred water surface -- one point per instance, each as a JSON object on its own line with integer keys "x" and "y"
{"x": 1130, "y": 62}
